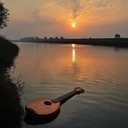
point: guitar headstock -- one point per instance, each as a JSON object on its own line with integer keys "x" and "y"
{"x": 79, "y": 90}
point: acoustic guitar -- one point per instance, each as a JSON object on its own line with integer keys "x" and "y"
{"x": 46, "y": 107}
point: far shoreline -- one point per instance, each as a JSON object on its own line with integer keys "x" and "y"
{"x": 115, "y": 42}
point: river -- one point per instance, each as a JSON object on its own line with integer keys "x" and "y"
{"x": 51, "y": 70}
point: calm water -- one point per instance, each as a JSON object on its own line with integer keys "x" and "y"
{"x": 51, "y": 70}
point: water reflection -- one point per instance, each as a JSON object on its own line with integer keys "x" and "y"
{"x": 73, "y": 53}
{"x": 73, "y": 45}
{"x": 32, "y": 120}
{"x": 50, "y": 70}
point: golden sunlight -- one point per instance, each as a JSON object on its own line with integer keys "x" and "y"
{"x": 73, "y": 24}
{"x": 73, "y": 53}
{"x": 73, "y": 45}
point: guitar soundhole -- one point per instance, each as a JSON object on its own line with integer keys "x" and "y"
{"x": 47, "y": 103}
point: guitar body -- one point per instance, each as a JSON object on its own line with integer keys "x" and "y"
{"x": 45, "y": 107}
{"x": 42, "y": 107}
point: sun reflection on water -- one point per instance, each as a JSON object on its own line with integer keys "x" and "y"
{"x": 73, "y": 53}
{"x": 73, "y": 45}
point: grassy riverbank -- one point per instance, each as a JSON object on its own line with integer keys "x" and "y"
{"x": 8, "y": 51}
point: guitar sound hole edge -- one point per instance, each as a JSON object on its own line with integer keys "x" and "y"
{"x": 48, "y": 103}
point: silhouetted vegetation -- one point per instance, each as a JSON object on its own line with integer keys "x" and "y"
{"x": 30, "y": 39}
{"x": 37, "y": 39}
{"x": 8, "y": 51}
{"x": 3, "y": 16}
{"x": 115, "y": 42}
{"x": 117, "y": 36}
{"x": 10, "y": 106}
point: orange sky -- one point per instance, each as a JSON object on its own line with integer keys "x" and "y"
{"x": 93, "y": 18}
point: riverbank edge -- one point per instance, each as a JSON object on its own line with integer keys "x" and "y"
{"x": 10, "y": 108}
{"x": 8, "y": 52}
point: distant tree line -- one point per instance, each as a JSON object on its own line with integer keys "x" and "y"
{"x": 38, "y": 39}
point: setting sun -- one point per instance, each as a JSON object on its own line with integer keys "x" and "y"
{"x": 73, "y": 24}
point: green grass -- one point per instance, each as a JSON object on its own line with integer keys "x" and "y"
{"x": 8, "y": 51}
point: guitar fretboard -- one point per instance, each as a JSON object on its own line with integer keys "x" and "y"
{"x": 64, "y": 97}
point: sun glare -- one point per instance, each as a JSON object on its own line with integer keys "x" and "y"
{"x": 73, "y": 45}
{"x": 73, "y": 24}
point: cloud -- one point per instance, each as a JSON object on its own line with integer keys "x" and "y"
{"x": 73, "y": 6}
{"x": 54, "y": 17}
{"x": 55, "y": 11}
{"x": 45, "y": 13}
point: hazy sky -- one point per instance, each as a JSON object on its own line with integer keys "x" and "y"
{"x": 93, "y": 18}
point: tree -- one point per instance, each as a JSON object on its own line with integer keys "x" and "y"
{"x": 3, "y": 16}
{"x": 117, "y": 36}
{"x": 61, "y": 38}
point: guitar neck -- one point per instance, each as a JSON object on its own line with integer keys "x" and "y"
{"x": 65, "y": 97}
